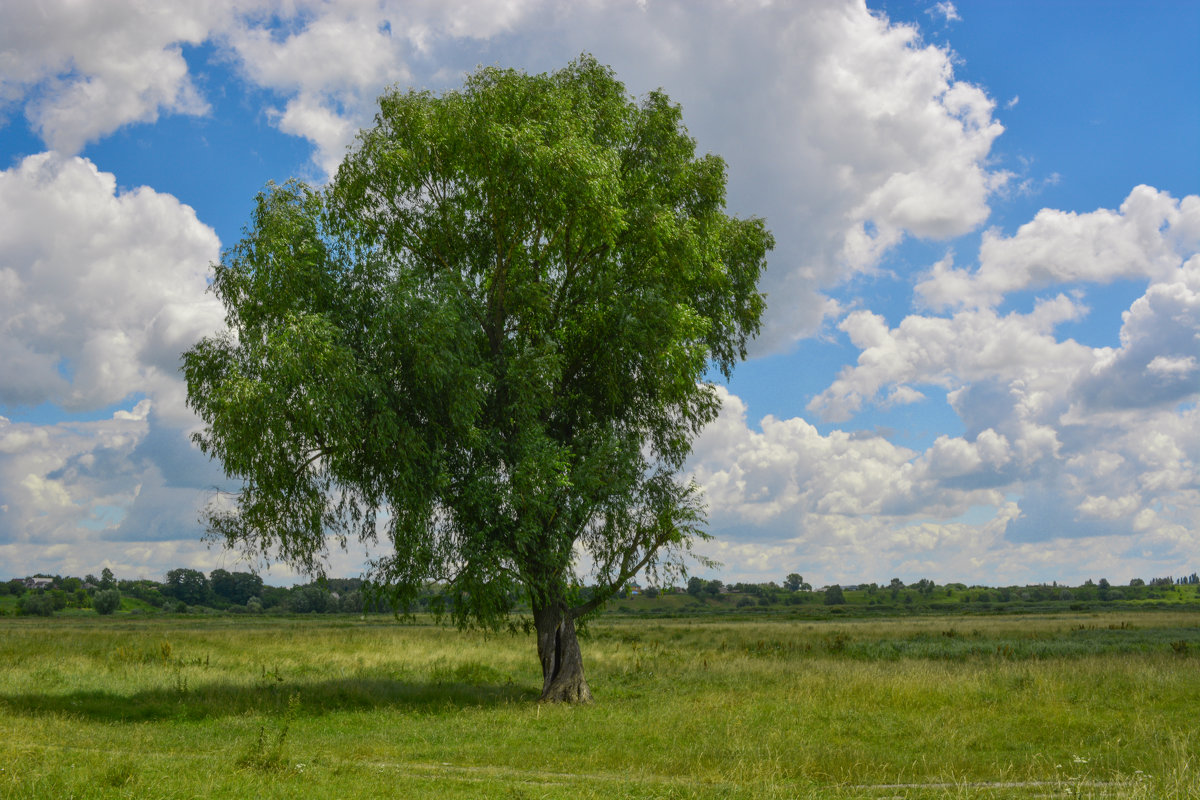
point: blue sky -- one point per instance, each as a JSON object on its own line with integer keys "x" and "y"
{"x": 980, "y": 360}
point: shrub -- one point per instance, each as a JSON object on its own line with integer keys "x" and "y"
{"x": 32, "y": 604}
{"x": 106, "y": 601}
{"x": 58, "y": 598}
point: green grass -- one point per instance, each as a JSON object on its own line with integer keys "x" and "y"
{"x": 1093, "y": 705}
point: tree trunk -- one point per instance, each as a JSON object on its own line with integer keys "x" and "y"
{"x": 562, "y": 663}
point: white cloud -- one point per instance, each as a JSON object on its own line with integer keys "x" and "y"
{"x": 86, "y": 69}
{"x": 1155, "y": 364}
{"x": 788, "y": 473}
{"x": 55, "y": 479}
{"x": 952, "y": 352}
{"x": 103, "y": 289}
{"x": 1088, "y": 440}
{"x": 1148, "y": 237}
{"x": 946, "y": 10}
{"x": 840, "y": 508}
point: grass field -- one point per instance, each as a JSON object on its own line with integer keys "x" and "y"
{"x": 1068, "y": 705}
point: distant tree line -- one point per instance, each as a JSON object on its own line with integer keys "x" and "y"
{"x": 184, "y": 590}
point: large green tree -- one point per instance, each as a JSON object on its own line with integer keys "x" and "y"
{"x": 483, "y": 350}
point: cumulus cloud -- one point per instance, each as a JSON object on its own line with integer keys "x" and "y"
{"x": 59, "y": 478}
{"x": 970, "y": 347}
{"x": 1089, "y": 441}
{"x": 989, "y": 506}
{"x": 102, "y": 289}
{"x": 1147, "y": 237}
{"x": 88, "y": 493}
{"x": 788, "y": 472}
{"x": 86, "y": 69}
{"x": 1156, "y": 363}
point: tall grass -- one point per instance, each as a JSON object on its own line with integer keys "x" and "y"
{"x": 1100, "y": 706}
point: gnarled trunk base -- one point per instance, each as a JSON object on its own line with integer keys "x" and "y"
{"x": 562, "y": 663}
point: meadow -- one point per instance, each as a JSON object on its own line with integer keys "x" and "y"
{"x": 1096, "y": 704}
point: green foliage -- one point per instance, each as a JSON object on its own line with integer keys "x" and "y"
{"x": 310, "y": 600}
{"x": 834, "y": 596}
{"x": 485, "y": 342}
{"x": 235, "y": 587}
{"x": 144, "y": 590}
{"x": 36, "y": 603}
{"x": 188, "y": 586}
{"x": 106, "y": 601}
{"x": 58, "y": 599}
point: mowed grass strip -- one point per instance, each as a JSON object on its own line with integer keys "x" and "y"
{"x": 1102, "y": 706}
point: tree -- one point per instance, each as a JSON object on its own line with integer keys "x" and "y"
{"x": 485, "y": 345}
{"x": 107, "y": 581}
{"x": 235, "y": 587}
{"x": 793, "y": 582}
{"x": 309, "y": 600}
{"x": 59, "y": 599}
{"x": 834, "y": 596}
{"x": 106, "y": 601}
{"x": 188, "y": 586}
{"x": 35, "y": 604}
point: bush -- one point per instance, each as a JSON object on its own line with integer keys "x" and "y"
{"x": 40, "y": 605}
{"x": 58, "y": 598}
{"x": 106, "y": 601}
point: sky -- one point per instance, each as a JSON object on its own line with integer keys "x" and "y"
{"x": 980, "y": 360}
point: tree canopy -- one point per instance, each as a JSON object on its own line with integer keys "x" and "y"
{"x": 484, "y": 349}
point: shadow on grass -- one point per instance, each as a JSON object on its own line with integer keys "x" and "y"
{"x": 217, "y": 700}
